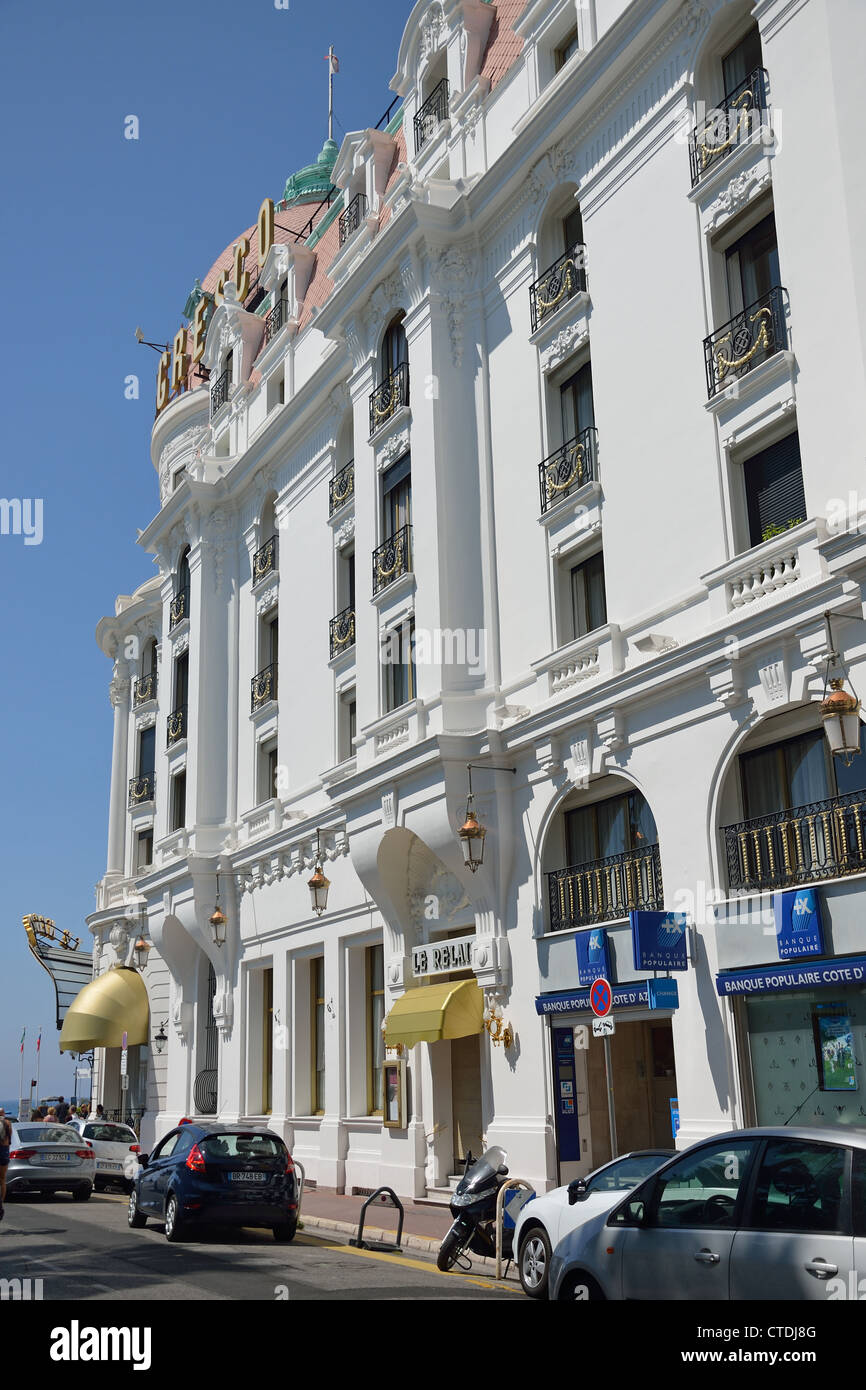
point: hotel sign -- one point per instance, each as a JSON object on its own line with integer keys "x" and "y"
{"x": 441, "y": 957}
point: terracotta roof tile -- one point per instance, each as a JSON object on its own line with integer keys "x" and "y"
{"x": 503, "y": 45}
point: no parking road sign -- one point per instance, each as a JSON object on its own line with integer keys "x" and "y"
{"x": 601, "y": 998}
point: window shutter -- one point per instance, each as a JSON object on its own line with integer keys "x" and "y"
{"x": 774, "y": 488}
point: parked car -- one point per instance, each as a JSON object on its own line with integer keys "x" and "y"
{"x": 50, "y": 1158}
{"x": 756, "y": 1214}
{"x": 206, "y": 1173}
{"x": 543, "y": 1221}
{"x": 115, "y": 1148}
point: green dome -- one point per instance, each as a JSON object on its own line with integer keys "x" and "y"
{"x": 310, "y": 185}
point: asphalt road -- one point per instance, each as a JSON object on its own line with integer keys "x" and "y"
{"x": 85, "y": 1250}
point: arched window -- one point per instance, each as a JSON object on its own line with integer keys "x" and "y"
{"x": 394, "y": 349}
{"x": 179, "y": 608}
{"x": 148, "y": 658}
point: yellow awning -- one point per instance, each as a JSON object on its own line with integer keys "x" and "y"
{"x": 109, "y": 1006}
{"x": 431, "y": 1012}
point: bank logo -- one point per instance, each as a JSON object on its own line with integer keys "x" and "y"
{"x": 802, "y": 913}
{"x": 596, "y": 948}
{"x": 670, "y": 933}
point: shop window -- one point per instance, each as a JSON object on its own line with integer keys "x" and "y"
{"x": 267, "y": 1040}
{"x": 317, "y": 1035}
{"x": 375, "y": 976}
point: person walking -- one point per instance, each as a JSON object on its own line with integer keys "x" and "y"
{"x": 5, "y": 1141}
{"x": 62, "y": 1111}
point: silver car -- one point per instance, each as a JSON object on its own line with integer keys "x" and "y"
{"x": 754, "y": 1214}
{"x": 49, "y": 1158}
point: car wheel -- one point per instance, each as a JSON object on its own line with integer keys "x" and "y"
{"x": 82, "y": 1194}
{"x": 533, "y": 1263}
{"x": 135, "y": 1218}
{"x": 285, "y": 1231}
{"x": 173, "y": 1223}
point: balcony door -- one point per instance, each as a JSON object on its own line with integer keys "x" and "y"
{"x": 394, "y": 349}
{"x": 742, "y": 60}
{"x": 616, "y": 826}
{"x": 578, "y": 411}
{"x": 397, "y": 497}
{"x": 795, "y": 773}
{"x": 146, "y": 752}
{"x": 752, "y": 265}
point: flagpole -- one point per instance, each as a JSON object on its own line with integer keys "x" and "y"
{"x": 38, "y": 1059}
{"x": 21, "y": 1073}
{"x": 331, "y": 92}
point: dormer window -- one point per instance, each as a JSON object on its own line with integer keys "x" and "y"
{"x": 569, "y": 46}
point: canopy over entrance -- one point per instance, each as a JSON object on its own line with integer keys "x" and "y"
{"x": 432, "y": 1012}
{"x": 109, "y": 1006}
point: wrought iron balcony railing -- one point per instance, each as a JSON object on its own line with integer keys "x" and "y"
{"x": 752, "y": 336}
{"x": 825, "y": 839}
{"x": 219, "y": 393}
{"x": 263, "y": 687}
{"x": 178, "y": 609}
{"x": 605, "y": 889}
{"x": 204, "y": 1091}
{"x": 741, "y": 112}
{"x": 350, "y": 217}
{"x": 564, "y": 471}
{"x": 141, "y": 789}
{"x": 176, "y": 726}
{"x": 265, "y": 560}
{"x": 392, "y": 558}
{"x": 341, "y": 487}
{"x": 342, "y": 632}
{"x": 275, "y": 319}
{"x": 387, "y": 399}
{"x": 565, "y": 278}
{"x": 431, "y": 115}
{"x": 144, "y": 689}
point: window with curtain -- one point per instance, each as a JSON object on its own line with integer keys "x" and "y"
{"x": 317, "y": 1041}
{"x": 752, "y": 265}
{"x": 795, "y": 773}
{"x": 742, "y": 60}
{"x": 615, "y": 826}
{"x": 400, "y": 671}
{"x": 588, "y": 600}
{"x": 572, "y": 228}
{"x": 575, "y": 396}
{"x": 375, "y": 963}
{"x": 397, "y": 497}
{"x": 394, "y": 348}
{"x": 147, "y": 752}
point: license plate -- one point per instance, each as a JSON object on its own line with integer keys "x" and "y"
{"x": 52, "y": 1158}
{"x": 104, "y": 1163}
{"x": 248, "y": 1177}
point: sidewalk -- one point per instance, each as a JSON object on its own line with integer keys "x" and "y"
{"x": 324, "y": 1210}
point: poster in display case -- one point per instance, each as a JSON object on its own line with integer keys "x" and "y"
{"x": 834, "y": 1045}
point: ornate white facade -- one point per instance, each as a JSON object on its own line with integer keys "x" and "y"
{"x": 713, "y": 639}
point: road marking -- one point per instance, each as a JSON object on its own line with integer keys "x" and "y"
{"x": 426, "y": 1265}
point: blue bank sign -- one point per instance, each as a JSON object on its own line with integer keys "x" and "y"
{"x": 593, "y": 956}
{"x": 659, "y": 940}
{"x": 641, "y": 994}
{"x": 799, "y": 929}
{"x": 846, "y": 970}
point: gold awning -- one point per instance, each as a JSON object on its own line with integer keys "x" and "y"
{"x": 109, "y": 1006}
{"x": 431, "y": 1012}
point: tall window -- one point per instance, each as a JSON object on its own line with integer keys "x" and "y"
{"x": 394, "y": 349}
{"x": 267, "y": 1040}
{"x": 752, "y": 265}
{"x": 375, "y": 963}
{"x": 399, "y": 656}
{"x": 616, "y": 826}
{"x": 348, "y": 722}
{"x": 796, "y": 772}
{"x": 146, "y": 752}
{"x": 572, "y": 228}
{"x": 148, "y": 658}
{"x": 178, "y": 801}
{"x": 183, "y": 570}
{"x": 773, "y": 482}
{"x": 317, "y": 1039}
{"x": 575, "y": 395}
{"x": 588, "y": 601}
{"x": 144, "y": 849}
{"x": 566, "y": 50}
{"x": 272, "y": 641}
{"x": 181, "y": 680}
{"x": 397, "y": 497}
{"x": 742, "y": 60}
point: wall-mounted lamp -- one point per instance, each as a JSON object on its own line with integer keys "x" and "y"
{"x": 160, "y": 1039}
{"x": 218, "y": 918}
{"x": 157, "y": 347}
{"x": 318, "y": 884}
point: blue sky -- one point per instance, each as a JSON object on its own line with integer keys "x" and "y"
{"x": 100, "y": 234}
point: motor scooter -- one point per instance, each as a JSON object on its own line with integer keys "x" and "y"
{"x": 473, "y": 1207}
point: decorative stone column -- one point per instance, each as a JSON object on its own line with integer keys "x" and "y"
{"x": 119, "y": 695}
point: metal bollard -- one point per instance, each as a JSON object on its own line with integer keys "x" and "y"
{"x": 500, "y": 1208}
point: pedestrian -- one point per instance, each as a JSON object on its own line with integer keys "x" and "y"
{"x": 100, "y": 1113}
{"x": 61, "y": 1111}
{"x": 5, "y": 1141}
{"x": 51, "y": 1115}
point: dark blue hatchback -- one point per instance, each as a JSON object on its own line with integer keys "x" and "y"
{"x": 213, "y": 1174}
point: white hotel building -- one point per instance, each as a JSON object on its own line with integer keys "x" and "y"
{"x": 567, "y": 380}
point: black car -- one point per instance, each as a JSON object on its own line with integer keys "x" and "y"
{"x": 214, "y": 1174}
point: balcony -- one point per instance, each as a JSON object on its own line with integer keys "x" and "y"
{"x": 178, "y": 609}
{"x": 176, "y": 726}
{"x": 342, "y": 632}
{"x": 141, "y": 789}
{"x": 566, "y": 470}
{"x": 565, "y": 278}
{"x": 263, "y": 687}
{"x": 392, "y": 559}
{"x": 274, "y": 321}
{"x": 431, "y": 115}
{"x": 351, "y": 217}
{"x": 144, "y": 689}
{"x": 742, "y": 112}
{"x": 265, "y": 560}
{"x": 753, "y": 335}
{"x": 804, "y": 845}
{"x": 219, "y": 393}
{"x": 605, "y": 889}
{"x": 388, "y": 398}
{"x": 341, "y": 488}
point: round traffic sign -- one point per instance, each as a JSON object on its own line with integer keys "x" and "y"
{"x": 601, "y": 998}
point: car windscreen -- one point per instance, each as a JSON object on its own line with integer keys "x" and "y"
{"x": 48, "y": 1134}
{"x": 110, "y": 1134}
{"x": 242, "y": 1146}
{"x": 627, "y": 1173}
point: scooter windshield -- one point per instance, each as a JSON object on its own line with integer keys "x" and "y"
{"x": 484, "y": 1170}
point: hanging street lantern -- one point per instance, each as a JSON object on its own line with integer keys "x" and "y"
{"x": 318, "y": 884}
{"x": 160, "y": 1039}
{"x": 472, "y": 834}
{"x": 840, "y": 709}
{"x": 218, "y": 919}
{"x": 140, "y": 950}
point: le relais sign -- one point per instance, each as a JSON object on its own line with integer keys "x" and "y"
{"x": 175, "y": 362}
